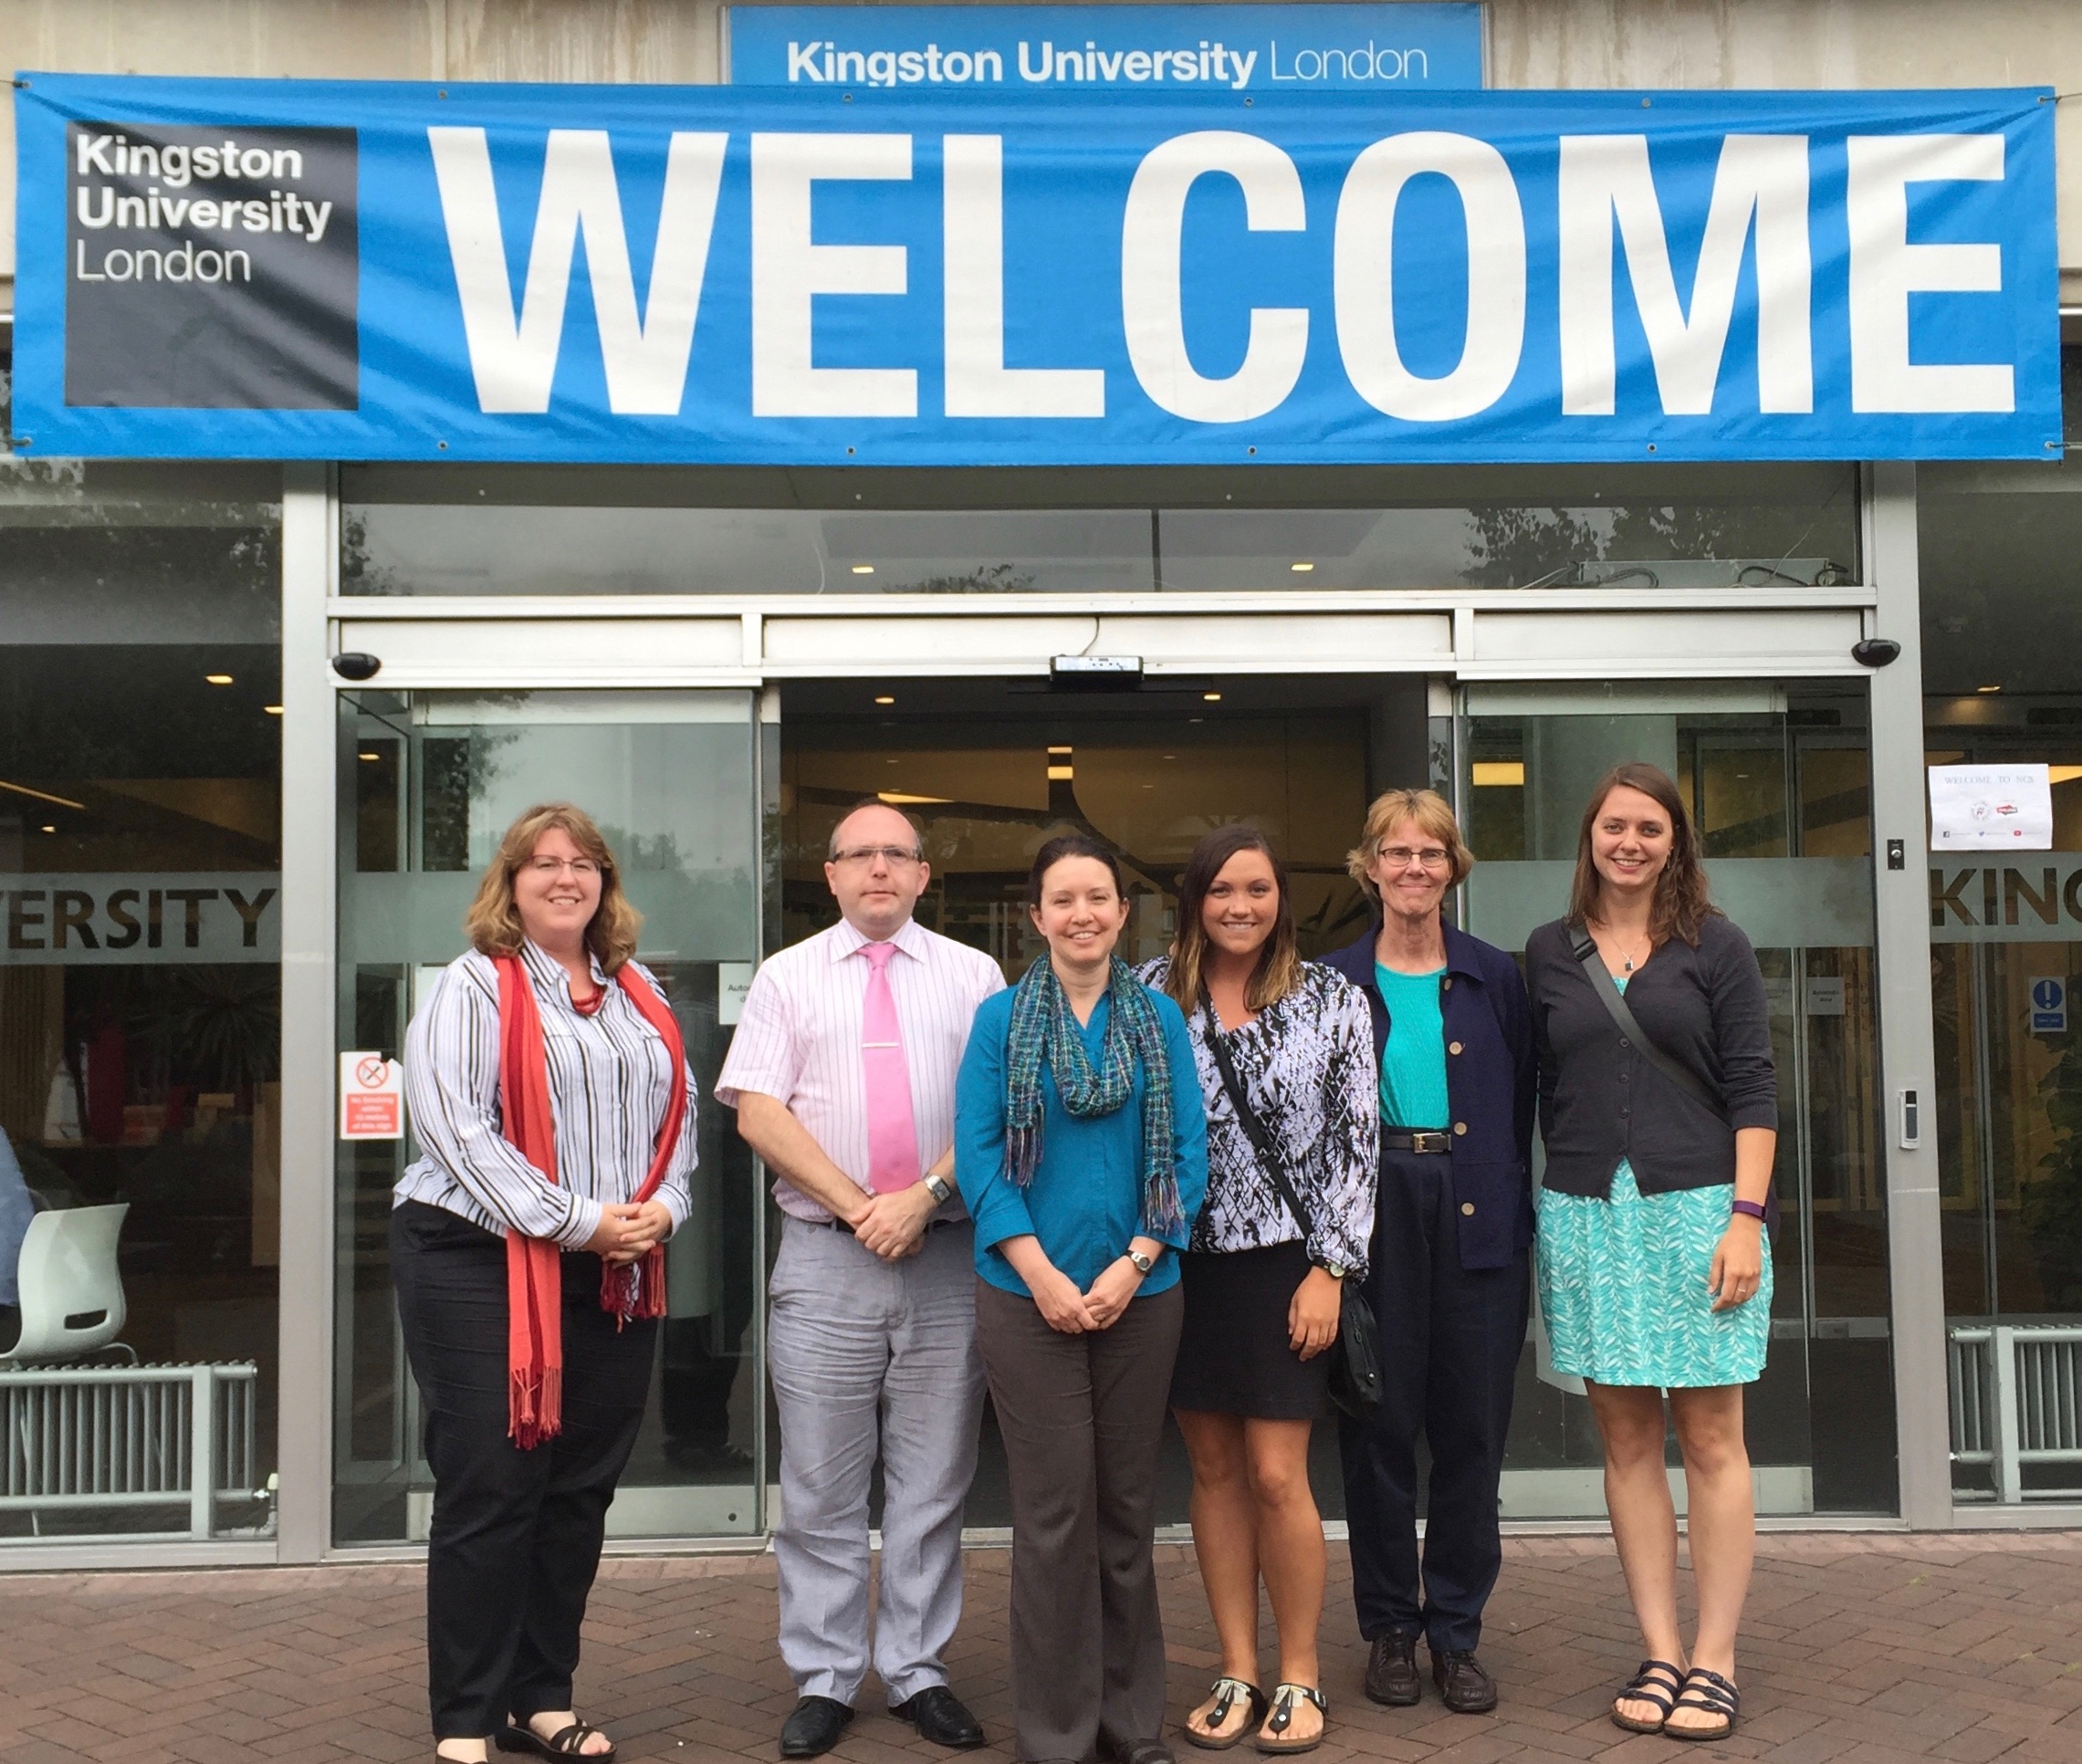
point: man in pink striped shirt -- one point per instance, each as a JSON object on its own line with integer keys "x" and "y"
{"x": 843, "y": 1072}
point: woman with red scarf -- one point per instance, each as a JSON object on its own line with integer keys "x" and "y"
{"x": 552, "y": 1105}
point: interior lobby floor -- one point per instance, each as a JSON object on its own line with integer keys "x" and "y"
{"x": 1860, "y": 1649}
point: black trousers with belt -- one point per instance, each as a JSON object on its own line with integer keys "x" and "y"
{"x": 517, "y": 1535}
{"x": 1451, "y": 1340}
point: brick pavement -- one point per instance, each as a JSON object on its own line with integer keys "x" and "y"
{"x": 1860, "y": 1650}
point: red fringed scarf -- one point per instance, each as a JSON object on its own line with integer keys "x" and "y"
{"x": 534, "y": 1275}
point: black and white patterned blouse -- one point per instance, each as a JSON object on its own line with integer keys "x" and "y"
{"x": 1307, "y": 1065}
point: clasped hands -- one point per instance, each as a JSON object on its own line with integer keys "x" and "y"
{"x": 892, "y": 1226}
{"x": 628, "y": 1230}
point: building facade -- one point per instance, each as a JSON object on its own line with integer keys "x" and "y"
{"x": 232, "y": 851}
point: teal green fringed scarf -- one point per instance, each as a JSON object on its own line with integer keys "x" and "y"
{"x": 1044, "y": 1029}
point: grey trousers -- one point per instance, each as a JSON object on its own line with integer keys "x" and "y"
{"x": 1082, "y": 1418}
{"x": 866, "y": 1356}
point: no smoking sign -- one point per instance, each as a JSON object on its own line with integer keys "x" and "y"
{"x": 371, "y": 1097}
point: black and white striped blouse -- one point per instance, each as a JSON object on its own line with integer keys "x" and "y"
{"x": 609, "y": 1076}
{"x": 1306, "y": 1062}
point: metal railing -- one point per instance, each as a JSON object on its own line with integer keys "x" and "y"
{"x": 2016, "y": 1400}
{"x": 82, "y": 1437}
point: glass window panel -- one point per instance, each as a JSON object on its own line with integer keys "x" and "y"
{"x": 468, "y": 530}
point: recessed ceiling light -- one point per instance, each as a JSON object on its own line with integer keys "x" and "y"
{"x": 218, "y": 679}
{"x": 272, "y": 710}
{"x": 1988, "y": 689}
{"x": 863, "y": 570}
{"x": 1300, "y": 569}
{"x": 1212, "y": 697}
{"x": 372, "y": 756}
{"x": 884, "y": 699}
{"x": 49, "y": 828}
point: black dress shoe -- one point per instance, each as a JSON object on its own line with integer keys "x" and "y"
{"x": 940, "y": 1717}
{"x": 1391, "y": 1670}
{"x": 814, "y": 1727}
{"x": 1140, "y": 1751}
{"x": 1463, "y": 1686}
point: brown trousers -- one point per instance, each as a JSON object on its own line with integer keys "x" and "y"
{"x": 1082, "y": 1416}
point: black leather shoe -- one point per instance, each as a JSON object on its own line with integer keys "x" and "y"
{"x": 940, "y": 1717}
{"x": 1141, "y": 1751}
{"x": 814, "y": 1727}
{"x": 1463, "y": 1686}
{"x": 1391, "y": 1670}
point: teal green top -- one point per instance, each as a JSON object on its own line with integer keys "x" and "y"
{"x": 1413, "y": 1064}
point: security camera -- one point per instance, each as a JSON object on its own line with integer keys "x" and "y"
{"x": 358, "y": 665}
{"x": 1868, "y": 652}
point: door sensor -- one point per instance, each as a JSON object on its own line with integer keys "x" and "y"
{"x": 1911, "y": 1120}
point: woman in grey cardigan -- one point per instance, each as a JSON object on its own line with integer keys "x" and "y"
{"x": 1653, "y": 1268}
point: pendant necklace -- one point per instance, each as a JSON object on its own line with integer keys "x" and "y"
{"x": 1629, "y": 961}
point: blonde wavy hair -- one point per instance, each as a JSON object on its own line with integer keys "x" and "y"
{"x": 493, "y": 921}
{"x": 1434, "y": 818}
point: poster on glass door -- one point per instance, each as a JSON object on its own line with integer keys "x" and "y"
{"x": 1991, "y": 809}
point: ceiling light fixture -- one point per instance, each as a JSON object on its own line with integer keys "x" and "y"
{"x": 370, "y": 757}
{"x": 863, "y": 570}
{"x": 218, "y": 679}
{"x": 272, "y": 710}
{"x": 902, "y": 798}
{"x": 1987, "y": 689}
{"x": 1212, "y": 697}
{"x": 48, "y": 829}
{"x": 1300, "y": 569}
{"x": 884, "y": 699}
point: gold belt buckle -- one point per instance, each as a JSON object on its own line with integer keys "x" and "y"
{"x": 1427, "y": 1141}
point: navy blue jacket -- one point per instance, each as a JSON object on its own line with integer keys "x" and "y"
{"x": 1491, "y": 1081}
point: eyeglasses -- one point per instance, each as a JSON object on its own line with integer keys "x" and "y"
{"x": 894, "y": 856}
{"x": 580, "y": 868}
{"x": 1432, "y": 857}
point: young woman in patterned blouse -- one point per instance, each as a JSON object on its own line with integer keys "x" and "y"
{"x": 1262, "y": 1292}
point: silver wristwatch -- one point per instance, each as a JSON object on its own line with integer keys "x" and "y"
{"x": 1336, "y": 1270}
{"x": 937, "y": 1188}
{"x": 1143, "y": 1264}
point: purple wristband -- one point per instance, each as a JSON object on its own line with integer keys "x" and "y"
{"x": 1755, "y": 1209}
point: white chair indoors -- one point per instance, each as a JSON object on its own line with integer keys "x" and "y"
{"x": 72, "y": 1289}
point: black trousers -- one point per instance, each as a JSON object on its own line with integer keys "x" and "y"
{"x": 515, "y": 1535}
{"x": 1451, "y": 1340}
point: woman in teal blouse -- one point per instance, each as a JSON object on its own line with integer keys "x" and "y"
{"x": 1081, "y": 1149}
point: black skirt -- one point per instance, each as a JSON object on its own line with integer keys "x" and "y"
{"x": 1233, "y": 1357}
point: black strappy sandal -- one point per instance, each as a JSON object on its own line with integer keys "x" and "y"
{"x": 1715, "y": 1695}
{"x": 1644, "y": 1686}
{"x": 1270, "y": 1739}
{"x": 1225, "y": 1691}
{"x": 565, "y": 1743}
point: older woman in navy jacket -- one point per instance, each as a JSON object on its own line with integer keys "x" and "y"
{"x": 1452, "y": 1233}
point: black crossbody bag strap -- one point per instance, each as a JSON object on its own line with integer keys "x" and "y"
{"x": 1585, "y": 948}
{"x": 1247, "y": 1117}
{"x": 1615, "y": 1003}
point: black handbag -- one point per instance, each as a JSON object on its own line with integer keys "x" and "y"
{"x": 1583, "y": 947}
{"x": 1355, "y": 1355}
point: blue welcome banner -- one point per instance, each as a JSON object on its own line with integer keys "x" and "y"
{"x": 310, "y": 269}
{"x": 1400, "y": 46}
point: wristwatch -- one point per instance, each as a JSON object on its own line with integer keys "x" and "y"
{"x": 1336, "y": 1270}
{"x": 1143, "y": 1264}
{"x": 937, "y": 1188}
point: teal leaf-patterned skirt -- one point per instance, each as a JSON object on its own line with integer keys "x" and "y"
{"x": 1623, "y": 1288}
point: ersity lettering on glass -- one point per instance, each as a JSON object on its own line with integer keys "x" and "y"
{"x": 791, "y": 276}
{"x": 1404, "y": 45}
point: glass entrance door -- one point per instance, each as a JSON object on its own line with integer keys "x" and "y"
{"x": 1777, "y": 781}
{"x": 428, "y": 783}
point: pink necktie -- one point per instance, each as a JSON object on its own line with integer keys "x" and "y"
{"x": 891, "y": 1135}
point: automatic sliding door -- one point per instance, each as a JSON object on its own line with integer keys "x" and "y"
{"x": 1777, "y": 782}
{"x": 429, "y": 781}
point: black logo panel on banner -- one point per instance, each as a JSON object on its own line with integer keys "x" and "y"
{"x": 210, "y": 268}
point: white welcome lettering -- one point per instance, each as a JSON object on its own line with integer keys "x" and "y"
{"x": 514, "y": 360}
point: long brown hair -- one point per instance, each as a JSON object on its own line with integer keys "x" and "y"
{"x": 1681, "y": 906}
{"x": 1279, "y": 969}
{"x": 493, "y": 920}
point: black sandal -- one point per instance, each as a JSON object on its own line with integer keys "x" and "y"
{"x": 1644, "y": 1686}
{"x": 565, "y": 1743}
{"x": 1225, "y": 1692}
{"x": 1716, "y": 1696}
{"x": 1270, "y": 1737}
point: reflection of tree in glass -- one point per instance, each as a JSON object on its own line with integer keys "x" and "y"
{"x": 991, "y": 578}
{"x": 2051, "y": 1205}
{"x": 454, "y": 772}
{"x": 359, "y": 573}
{"x": 1513, "y": 546}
